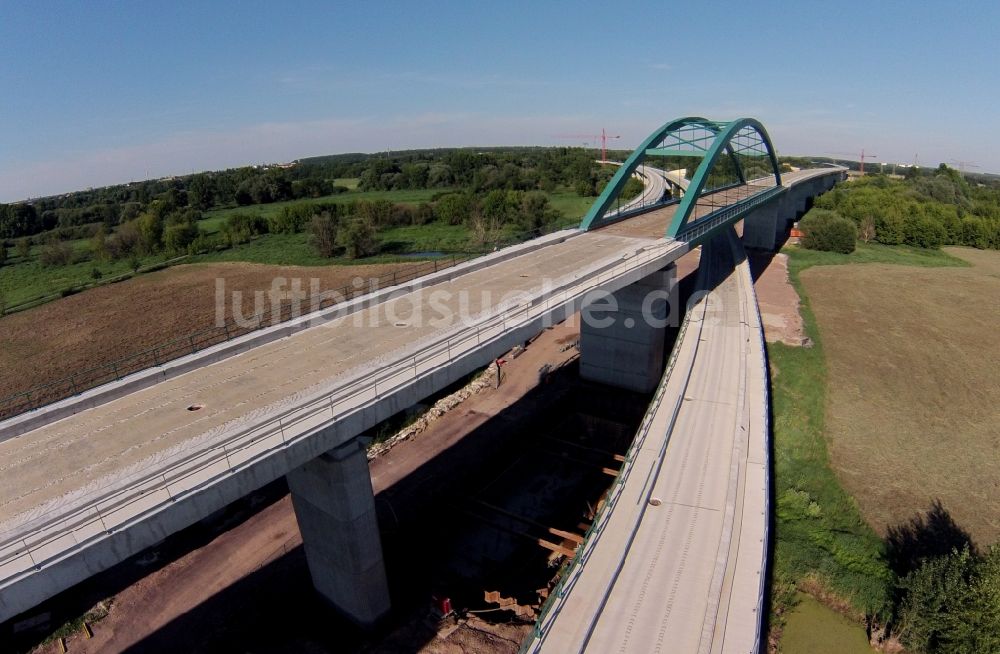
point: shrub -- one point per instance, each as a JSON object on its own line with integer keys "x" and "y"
{"x": 925, "y": 232}
{"x": 292, "y": 219}
{"x": 951, "y": 604}
{"x": 323, "y": 234}
{"x": 241, "y": 227}
{"x": 828, "y": 230}
{"x": 177, "y": 238}
{"x": 56, "y": 253}
{"x": 358, "y": 238}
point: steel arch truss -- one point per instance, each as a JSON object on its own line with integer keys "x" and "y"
{"x": 737, "y": 170}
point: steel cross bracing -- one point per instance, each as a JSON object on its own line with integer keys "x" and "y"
{"x": 738, "y": 171}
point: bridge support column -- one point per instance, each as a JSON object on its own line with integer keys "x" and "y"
{"x": 622, "y": 340}
{"x": 764, "y": 228}
{"x": 335, "y": 508}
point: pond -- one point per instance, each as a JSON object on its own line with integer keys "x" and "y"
{"x": 812, "y": 628}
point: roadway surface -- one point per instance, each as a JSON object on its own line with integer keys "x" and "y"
{"x": 659, "y": 571}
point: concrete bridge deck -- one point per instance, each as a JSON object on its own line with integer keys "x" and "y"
{"x": 675, "y": 562}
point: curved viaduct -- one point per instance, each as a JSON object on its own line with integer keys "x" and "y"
{"x": 92, "y": 479}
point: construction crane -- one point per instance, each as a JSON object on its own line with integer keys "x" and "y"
{"x": 863, "y": 155}
{"x": 604, "y": 136}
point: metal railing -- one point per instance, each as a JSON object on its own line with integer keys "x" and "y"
{"x": 730, "y": 213}
{"x": 27, "y": 546}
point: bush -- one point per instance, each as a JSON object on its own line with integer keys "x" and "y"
{"x": 177, "y": 238}
{"x": 924, "y": 232}
{"x": 241, "y": 227}
{"x": 827, "y": 230}
{"x": 633, "y": 188}
{"x": 358, "y": 238}
{"x": 292, "y": 219}
{"x": 56, "y": 253}
{"x": 323, "y": 234}
{"x": 951, "y": 604}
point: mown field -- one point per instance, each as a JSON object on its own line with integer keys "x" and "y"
{"x": 892, "y": 408}
{"x": 914, "y": 402}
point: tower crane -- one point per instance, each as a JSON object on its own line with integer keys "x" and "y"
{"x": 604, "y": 136}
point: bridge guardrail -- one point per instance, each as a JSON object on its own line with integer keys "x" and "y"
{"x": 762, "y": 589}
{"x": 54, "y": 536}
{"x": 722, "y": 216}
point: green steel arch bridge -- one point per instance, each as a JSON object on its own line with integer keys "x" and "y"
{"x": 736, "y": 171}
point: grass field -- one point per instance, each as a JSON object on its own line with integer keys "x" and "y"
{"x": 822, "y": 537}
{"x": 213, "y": 220}
{"x": 26, "y": 280}
{"x": 914, "y": 402}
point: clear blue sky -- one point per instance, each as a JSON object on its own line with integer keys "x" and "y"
{"x": 97, "y": 93}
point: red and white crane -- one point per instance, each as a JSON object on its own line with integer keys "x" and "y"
{"x": 604, "y": 136}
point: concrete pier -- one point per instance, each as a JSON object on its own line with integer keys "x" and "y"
{"x": 335, "y": 508}
{"x": 766, "y": 227}
{"x": 623, "y": 346}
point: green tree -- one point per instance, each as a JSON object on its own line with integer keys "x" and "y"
{"x": 150, "y": 225}
{"x": 358, "y": 238}
{"x": 3, "y": 252}
{"x": 323, "y": 234}
{"x": 177, "y": 237}
{"x": 23, "y": 248}
{"x": 99, "y": 245}
{"x": 951, "y": 604}
{"x": 201, "y": 192}
{"x": 827, "y": 230}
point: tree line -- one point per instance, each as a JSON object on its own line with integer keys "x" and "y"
{"x": 922, "y": 210}
{"x": 482, "y": 170}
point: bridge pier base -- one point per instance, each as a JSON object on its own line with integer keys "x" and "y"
{"x": 335, "y": 509}
{"x": 622, "y": 341}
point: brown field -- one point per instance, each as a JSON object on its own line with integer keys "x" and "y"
{"x": 914, "y": 395}
{"x": 110, "y": 322}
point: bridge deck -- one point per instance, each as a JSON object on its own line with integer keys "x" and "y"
{"x": 660, "y": 571}
{"x": 88, "y": 451}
